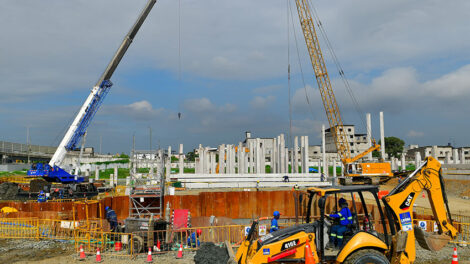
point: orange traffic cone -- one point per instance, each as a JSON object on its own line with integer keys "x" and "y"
{"x": 82, "y": 253}
{"x": 455, "y": 258}
{"x": 98, "y": 255}
{"x": 309, "y": 259}
{"x": 158, "y": 246}
{"x": 180, "y": 252}
{"x": 149, "y": 256}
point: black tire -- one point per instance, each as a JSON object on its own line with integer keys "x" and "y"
{"x": 367, "y": 256}
{"x": 137, "y": 244}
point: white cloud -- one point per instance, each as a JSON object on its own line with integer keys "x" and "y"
{"x": 199, "y": 105}
{"x": 267, "y": 89}
{"x": 413, "y": 133}
{"x": 260, "y": 102}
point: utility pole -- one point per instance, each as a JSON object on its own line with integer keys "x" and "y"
{"x": 27, "y": 142}
{"x": 101, "y": 141}
{"x": 150, "y": 139}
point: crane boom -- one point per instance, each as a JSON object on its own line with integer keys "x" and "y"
{"x": 91, "y": 105}
{"x": 323, "y": 80}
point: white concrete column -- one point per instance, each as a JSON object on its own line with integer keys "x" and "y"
{"x": 228, "y": 163}
{"x": 275, "y": 156}
{"x": 302, "y": 155}
{"x": 239, "y": 158}
{"x": 434, "y": 152}
{"x": 403, "y": 162}
{"x": 447, "y": 160}
{"x": 296, "y": 155}
{"x": 97, "y": 173}
{"x": 382, "y": 135}
{"x": 334, "y": 167}
{"x": 181, "y": 160}
{"x": 258, "y": 156}
{"x": 282, "y": 154}
{"x": 262, "y": 160}
{"x": 369, "y": 135}
{"x": 111, "y": 179}
{"x": 222, "y": 159}
{"x": 393, "y": 164}
{"x": 250, "y": 157}
{"x": 455, "y": 156}
{"x": 462, "y": 156}
{"x": 306, "y": 153}
{"x": 201, "y": 159}
{"x": 286, "y": 160}
{"x": 245, "y": 161}
{"x": 115, "y": 173}
{"x": 323, "y": 150}
{"x": 417, "y": 159}
{"x": 207, "y": 156}
{"x": 168, "y": 164}
{"x": 292, "y": 163}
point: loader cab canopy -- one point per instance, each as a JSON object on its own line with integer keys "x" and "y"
{"x": 323, "y": 201}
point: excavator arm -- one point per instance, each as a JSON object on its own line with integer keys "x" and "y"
{"x": 399, "y": 204}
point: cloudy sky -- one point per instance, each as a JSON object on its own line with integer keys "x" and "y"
{"x": 410, "y": 59}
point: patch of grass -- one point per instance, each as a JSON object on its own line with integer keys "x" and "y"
{"x": 11, "y": 173}
{"x": 122, "y": 173}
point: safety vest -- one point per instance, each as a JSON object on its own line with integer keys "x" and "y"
{"x": 345, "y": 216}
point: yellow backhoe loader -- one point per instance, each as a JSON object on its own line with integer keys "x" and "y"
{"x": 390, "y": 240}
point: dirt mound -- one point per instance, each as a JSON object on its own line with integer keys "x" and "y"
{"x": 211, "y": 254}
{"x": 37, "y": 185}
{"x": 9, "y": 191}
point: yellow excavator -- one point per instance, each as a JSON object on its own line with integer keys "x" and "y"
{"x": 355, "y": 172}
{"x": 390, "y": 240}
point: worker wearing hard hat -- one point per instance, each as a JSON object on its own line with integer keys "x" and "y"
{"x": 194, "y": 240}
{"x": 337, "y": 231}
{"x": 112, "y": 218}
{"x": 42, "y": 197}
{"x": 274, "y": 223}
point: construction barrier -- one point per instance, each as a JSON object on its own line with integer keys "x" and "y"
{"x": 109, "y": 243}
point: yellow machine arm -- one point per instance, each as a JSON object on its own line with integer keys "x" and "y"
{"x": 360, "y": 155}
{"x": 399, "y": 204}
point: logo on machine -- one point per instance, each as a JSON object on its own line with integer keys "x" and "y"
{"x": 289, "y": 244}
{"x": 406, "y": 204}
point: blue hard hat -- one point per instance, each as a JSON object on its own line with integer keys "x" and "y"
{"x": 41, "y": 192}
{"x": 342, "y": 201}
{"x": 106, "y": 208}
{"x": 276, "y": 213}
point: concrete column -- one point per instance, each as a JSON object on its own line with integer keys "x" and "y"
{"x": 296, "y": 155}
{"x": 403, "y": 162}
{"x": 323, "y": 149}
{"x": 262, "y": 159}
{"x": 115, "y": 173}
{"x": 250, "y": 157}
{"x": 382, "y": 135}
{"x": 227, "y": 159}
{"x": 97, "y": 174}
{"x": 282, "y": 157}
{"x": 434, "y": 152}
{"x": 447, "y": 160}
{"x": 222, "y": 159}
{"x": 111, "y": 179}
{"x": 258, "y": 156}
{"x": 286, "y": 160}
{"x": 245, "y": 161}
{"x": 369, "y": 135}
{"x": 462, "y": 156}
{"x": 306, "y": 153}
{"x": 201, "y": 159}
{"x": 239, "y": 158}
{"x": 417, "y": 159}
{"x": 168, "y": 164}
{"x": 274, "y": 156}
{"x": 213, "y": 163}
{"x": 234, "y": 154}
{"x": 334, "y": 168}
{"x": 302, "y": 155}
{"x": 207, "y": 156}
{"x": 292, "y": 163}
{"x": 393, "y": 164}
{"x": 181, "y": 160}
{"x": 455, "y": 156}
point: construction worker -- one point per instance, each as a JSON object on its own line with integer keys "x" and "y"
{"x": 193, "y": 240}
{"x": 337, "y": 231}
{"x": 274, "y": 223}
{"x": 112, "y": 218}
{"x": 42, "y": 197}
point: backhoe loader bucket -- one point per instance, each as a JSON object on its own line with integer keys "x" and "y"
{"x": 429, "y": 241}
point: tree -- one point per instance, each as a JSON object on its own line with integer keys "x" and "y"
{"x": 393, "y": 146}
{"x": 191, "y": 156}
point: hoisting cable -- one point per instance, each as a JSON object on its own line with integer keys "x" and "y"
{"x": 288, "y": 79}
{"x": 299, "y": 61}
{"x": 338, "y": 65}
{"x": 179, "y": 54}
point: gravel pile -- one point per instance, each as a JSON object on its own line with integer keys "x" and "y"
{"x": 9, "y": 191}
{"x": 209, "y": 253}
{"x": 442, "y": 256}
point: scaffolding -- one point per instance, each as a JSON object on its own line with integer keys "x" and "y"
{"x": 147, "y": 182}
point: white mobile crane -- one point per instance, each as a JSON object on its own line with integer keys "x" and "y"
{"x": 52, "y": 172}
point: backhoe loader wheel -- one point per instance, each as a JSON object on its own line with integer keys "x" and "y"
{"x": 367, "y": 256}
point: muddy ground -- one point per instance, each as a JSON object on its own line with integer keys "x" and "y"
{"x": 27, "y": 251}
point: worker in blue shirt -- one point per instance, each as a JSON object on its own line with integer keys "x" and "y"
{"x": 274, "y": 224}
{"x": 193, "y": 240}
{"x": 42, "y": 197}
{"x": 112, "y": 218}
{"x": 337, "y": 231}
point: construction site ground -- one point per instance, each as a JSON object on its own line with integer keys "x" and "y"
{"x": 28, "y": 251}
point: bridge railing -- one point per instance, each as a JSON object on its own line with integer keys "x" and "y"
{"x": 10, "y": 147}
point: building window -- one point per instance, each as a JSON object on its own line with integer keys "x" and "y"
{"x": 349, "y": 130}
{"x": 352, "y": 151}
{"x": 351, "y": 144}
{"x": 315, "y": 152}
{"x": 364, "y": 138}
{"x": 351, "y": 136}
